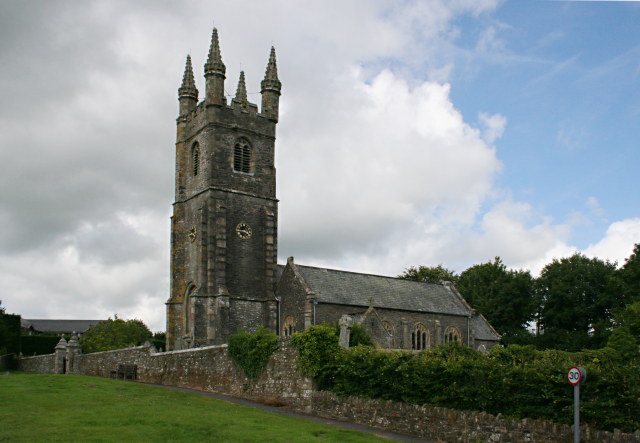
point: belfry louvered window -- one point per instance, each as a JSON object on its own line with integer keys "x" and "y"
{"x": 195, "y": 158}
{"x": 242, "y": 156}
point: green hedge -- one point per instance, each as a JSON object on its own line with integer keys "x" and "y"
{"x": 9, "y": 333}
{"x": 39, "y": 344}
{"x": 251, "y": 351}
{"x": 516, "y": 381}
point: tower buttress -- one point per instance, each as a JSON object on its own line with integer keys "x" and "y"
{"x": 187, "y": 93}
{"x": 270, "y": 89}
{"x": 214, "y": 72}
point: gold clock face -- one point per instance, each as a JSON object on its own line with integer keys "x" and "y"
{"x": 192, "y": 234}
{"x": 243, "y": 230}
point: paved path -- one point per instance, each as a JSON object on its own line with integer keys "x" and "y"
{"x": 288, "y": 412}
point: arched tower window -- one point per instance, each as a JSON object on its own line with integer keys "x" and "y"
{"x": 242, "y": 156}
{"x": 195, "y": 158}
{"x": 287, "y": 326}
{"x": 420, "y": 337}
{"x": 452, "y": 334}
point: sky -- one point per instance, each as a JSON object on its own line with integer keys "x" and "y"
{"x": 411, "y": 133}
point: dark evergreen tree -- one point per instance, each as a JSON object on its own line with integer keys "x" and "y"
{"x": 578, "y": 297}
{"x": 505, "y": 297}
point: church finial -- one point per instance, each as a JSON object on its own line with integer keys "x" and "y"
{"x": 214, "y": 71}
{"x": 187, "y": 93}
{"x": 270, "y": 89}
{"x": 214, "y": 62}
{"x": 241, "y": 91}
{"x": 271, "y": 75}
{"x": 188, "y": 87}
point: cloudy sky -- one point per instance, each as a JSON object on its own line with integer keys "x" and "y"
{"x": 411, "y": 132}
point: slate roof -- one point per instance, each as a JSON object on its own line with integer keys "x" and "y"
{"x": 351, "y": 288}
{"x": 484, "y": 331}
{"x": 67, "y": 326}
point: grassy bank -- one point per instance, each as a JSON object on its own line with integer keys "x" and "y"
{"x": 38, "y": 407}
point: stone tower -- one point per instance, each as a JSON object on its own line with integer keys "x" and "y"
{"x": 225, "y": 215}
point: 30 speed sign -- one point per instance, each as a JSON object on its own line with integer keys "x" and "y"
{"x": 576, "y": 375}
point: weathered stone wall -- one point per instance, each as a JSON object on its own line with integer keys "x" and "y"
{"x": 208, "y": 369}
{"x": 211, "y": 369}
{"x": 447, "y": 425}
{"x": 44, "y": 364}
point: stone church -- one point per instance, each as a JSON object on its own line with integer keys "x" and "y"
{"x": 224, "y": 240}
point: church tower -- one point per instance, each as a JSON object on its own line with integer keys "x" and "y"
{"x": 225, "y": 215}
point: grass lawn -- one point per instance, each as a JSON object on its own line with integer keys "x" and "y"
{"x": 40, "y": 407}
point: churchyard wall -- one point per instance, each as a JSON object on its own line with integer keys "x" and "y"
{"x": 211, "y": 369}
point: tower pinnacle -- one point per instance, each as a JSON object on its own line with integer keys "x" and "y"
{"x": 187, "y": 93}
{"x": 241, "y": 93}
{"x": 214, "y": 72}
{"x": 270, "y": 89}
{"x": 214, "y": 61}
{"x": 188, "y": 87}
{"x": 271, "y": 75}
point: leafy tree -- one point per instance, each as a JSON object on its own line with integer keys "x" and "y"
{"x": 505, "y": 297}
{"x": 578, "y": 296}
{"x": 630, "y": 317}
{"x": 629, "y": 277}
{"x": 624, "y": 342}
{"x": 114, "y": 334}
{"x": 429, "y": 274}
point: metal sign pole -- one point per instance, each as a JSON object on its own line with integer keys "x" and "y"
{"x": 576, "y": 413}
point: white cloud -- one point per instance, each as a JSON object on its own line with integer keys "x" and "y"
{"x": 618, "y": 242}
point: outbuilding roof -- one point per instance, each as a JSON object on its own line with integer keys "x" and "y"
{"x": 67, "y": 326}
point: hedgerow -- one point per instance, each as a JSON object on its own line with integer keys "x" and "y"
{"x": 516, "y": 381}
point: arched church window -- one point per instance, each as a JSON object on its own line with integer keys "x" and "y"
{"x": 242, "y": 156}
{"x": 452, "y": 334}
{"x": 388, "y": 326}
{"x": 195, "y": 158}
{"x": 420, "y": 338}
{"x": 287, "y": 326}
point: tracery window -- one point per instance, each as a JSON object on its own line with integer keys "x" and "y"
{"x": 452, "y": 334}
{"x": 287, "y": 326}
{"x": 242, "y": 156}
{"x": 388, "y": 326}
{"x": 420, "y": 337}
{"x": 195, "y": 158}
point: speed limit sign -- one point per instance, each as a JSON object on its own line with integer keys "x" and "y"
{"x": 576, "y": 375}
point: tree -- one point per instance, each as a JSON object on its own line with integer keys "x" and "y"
{"x": 578, "y": 297}
{"x": 629, "y": 276}
{"x": 114, "y": 334}
{"x": 9, "y": 332}
{"x": 429, "y": 274}
{"x": 505, "y": 297}
{"x": 630, "y": 318}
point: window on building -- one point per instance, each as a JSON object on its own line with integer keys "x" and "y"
{"x": 195, "y": 158}
{"x": 242, "y": 156}
{"x": 452, "y": 334}
{"x": 287, "y": 326}
{"x": 420, "y": 337}
{"x": 388, "y": 326}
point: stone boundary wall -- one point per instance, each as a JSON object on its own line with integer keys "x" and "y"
{"x": 449, "y": 425}
{"x": 211, "y": 369}
{"x": 44, "y": 364}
